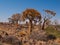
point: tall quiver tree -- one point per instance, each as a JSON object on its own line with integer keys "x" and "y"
{"x": 48, "y": 15}
{"x": 31, "y": 15}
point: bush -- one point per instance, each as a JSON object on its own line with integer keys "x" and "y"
{"x": 51, "y": 37}
{"x": 12, "y": 40}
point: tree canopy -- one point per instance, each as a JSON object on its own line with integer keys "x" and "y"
{"x": 31, "y": 14}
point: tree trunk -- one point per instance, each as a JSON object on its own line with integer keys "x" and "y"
{"x": 30, "y": 27}
{"x": 43, "y": 25}
{"x": 16, "y": 22}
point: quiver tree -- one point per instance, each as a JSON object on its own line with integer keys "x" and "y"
{"x": 48, "y": 15}
{"x": 14, "y": 18}
{"x": 31, "y": 15}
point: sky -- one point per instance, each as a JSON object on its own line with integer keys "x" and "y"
{"x": 10, "y": 7}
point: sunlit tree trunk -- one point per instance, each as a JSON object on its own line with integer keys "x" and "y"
{"x": 30, "y": 27}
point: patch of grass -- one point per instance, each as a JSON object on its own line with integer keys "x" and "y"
{"x": 51, "y": 30}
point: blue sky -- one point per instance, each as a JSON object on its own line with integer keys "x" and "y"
{"x": 10, "y": 7}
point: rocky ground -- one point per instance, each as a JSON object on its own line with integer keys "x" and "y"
{"x": 11, "y": 35}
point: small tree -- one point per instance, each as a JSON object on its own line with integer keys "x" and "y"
{"x": 47, "y": 17}
{"x": 14, "y": 18}
{"x": 31, "y": 14}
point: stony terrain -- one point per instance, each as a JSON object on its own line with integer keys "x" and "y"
{"x": 18, "y": 35}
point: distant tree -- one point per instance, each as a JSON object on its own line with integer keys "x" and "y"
{"x": 32, "y": 15}
{"x": 49, "y": 14}
{"x": 15, "y": 18}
